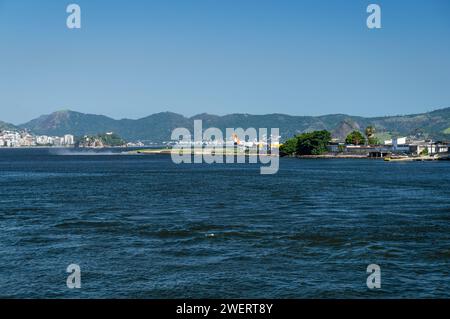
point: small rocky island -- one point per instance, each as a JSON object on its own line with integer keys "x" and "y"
{"x": 109, "y": 139}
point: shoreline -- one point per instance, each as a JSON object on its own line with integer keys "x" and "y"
{"x": 332, "y": 156}
{"x": 167, "y": 151}
{"x": 193, "y": 152}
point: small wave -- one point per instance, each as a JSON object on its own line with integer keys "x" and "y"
{"x": 318, "y": 239}
{"x": 93, "y": 224}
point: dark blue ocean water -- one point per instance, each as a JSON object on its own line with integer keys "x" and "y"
{"x": 143, "y": 227}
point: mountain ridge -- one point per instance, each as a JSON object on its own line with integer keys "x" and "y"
{"x": 157, "y": 127}
{"x": 7, "y": 126}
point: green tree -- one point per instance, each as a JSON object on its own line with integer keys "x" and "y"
{"x": 111, "y": 139}
{"x": 314, "y": 143}
{"x": 374, "y": 141}
{"x": 370, "y": 131}
{"x": 424, "y": 152}
{"x": 290, "y": 146}
{"x": 370, "y": 134}
{"x": 355, "y": 138}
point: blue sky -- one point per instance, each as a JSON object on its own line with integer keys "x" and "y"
{"x": 134, "y": 58}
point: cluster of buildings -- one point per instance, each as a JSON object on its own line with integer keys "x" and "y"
{"x": 400, "y": 146}
{"x": 25, "y": 139}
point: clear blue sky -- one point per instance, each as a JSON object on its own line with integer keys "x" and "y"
{"x": 133, "y": 58}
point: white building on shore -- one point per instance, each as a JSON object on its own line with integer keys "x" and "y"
{"x": 69, "y": 140}
{"x": 25, "y": 139}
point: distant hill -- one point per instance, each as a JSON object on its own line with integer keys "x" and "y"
{"x": 158, "y": 127}
{"x": 6, "y": 126}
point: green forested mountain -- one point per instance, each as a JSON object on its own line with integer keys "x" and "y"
{"x": 158, "y": 127}
{"x": 6, "y": 126}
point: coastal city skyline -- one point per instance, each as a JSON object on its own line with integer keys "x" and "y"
{"x": 298, "y": 58}
{"x": 349, "y": 139}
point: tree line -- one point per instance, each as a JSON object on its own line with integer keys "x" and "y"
{"x": 315, "y": 143}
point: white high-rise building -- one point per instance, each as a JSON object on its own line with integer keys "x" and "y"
{"x": 69, "y": 139}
